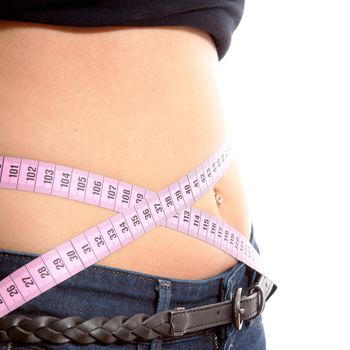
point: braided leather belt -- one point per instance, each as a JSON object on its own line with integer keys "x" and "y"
{"x": 168, "y": 324}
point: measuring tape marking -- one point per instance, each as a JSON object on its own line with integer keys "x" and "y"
{"x": 54, "y": 259}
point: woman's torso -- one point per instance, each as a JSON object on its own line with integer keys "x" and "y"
{"x": 139, "y": 104}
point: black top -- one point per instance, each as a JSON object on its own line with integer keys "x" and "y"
{"x": 218, "y": 17}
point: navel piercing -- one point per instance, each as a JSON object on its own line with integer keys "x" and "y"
{"x": 219, "y": 198}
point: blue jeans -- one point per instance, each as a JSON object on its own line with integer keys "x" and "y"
{"x": 108, "y": 292}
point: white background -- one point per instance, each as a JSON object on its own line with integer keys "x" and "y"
{"x": 285, "y": 89}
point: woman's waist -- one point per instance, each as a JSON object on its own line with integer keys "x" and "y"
{"x": 149, "y": 136}
{"x": 37, "y": 222}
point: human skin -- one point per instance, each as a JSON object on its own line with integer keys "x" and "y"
{"x": 139, "y": 104}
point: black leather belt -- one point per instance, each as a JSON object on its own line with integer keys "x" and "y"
{"x": 168, "y": 324}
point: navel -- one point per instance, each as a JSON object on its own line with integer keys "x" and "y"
{"x": 219, "y": 198}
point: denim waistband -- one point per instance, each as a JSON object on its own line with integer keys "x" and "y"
{"x": 109, "y": 291}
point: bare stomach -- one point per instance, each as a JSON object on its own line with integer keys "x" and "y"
{"x": 139, "y": 104}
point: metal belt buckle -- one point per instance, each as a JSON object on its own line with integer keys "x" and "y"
{"x": 261, "y": 298}
{"x": 237, "y": 310}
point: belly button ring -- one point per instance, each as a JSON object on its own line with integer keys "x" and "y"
{"x": 219, "y": 198}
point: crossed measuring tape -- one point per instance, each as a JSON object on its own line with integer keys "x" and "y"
{"x": 140, "y": 210}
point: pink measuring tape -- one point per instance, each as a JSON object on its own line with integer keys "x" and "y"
{"x": 140, "y": 210}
